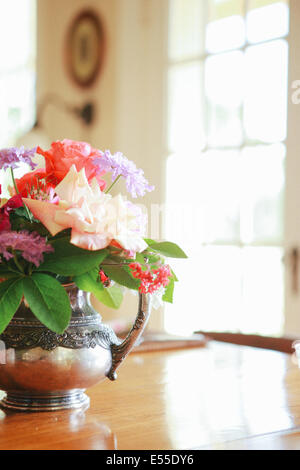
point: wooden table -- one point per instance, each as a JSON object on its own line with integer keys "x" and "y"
{"x": 222, "y": 396}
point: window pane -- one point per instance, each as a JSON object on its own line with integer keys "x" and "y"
{"x": 217, "y": 183}
{"x": 185, "y": 28}
{"x": 228, "y": 33}
{"x": 262, "y": 291}
{"x": 253, "y": 4}
{"x": 265, "y": 110}
{"x": 186, "y": 129}
{"x": 17, "y": 97}
{"x": 267, "y": 20}
{"x": 225, "y": 28}
{"x": 17, "y": 33}
{"x": 184, "y": 214}
{"x": 214, "y": 273}
{"x": 224, "y": 80}
{"x": 262, "y": 184}
{"x": 206, "y": 209}
{"x": 218, "y": 9}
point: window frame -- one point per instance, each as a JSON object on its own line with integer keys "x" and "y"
{"x": 291, "y": 320}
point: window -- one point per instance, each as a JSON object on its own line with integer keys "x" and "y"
{"x": 227, "y": 129}
{"x": 17, "y": 68}
{"x": 17, "y": 73}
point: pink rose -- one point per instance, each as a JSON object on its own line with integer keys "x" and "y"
{"x": 96, "y": 219}
{"x": 63, "y": 154}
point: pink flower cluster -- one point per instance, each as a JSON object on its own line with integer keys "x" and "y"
{"x": 151, "y": 280}
{"x": 32, "y": 245}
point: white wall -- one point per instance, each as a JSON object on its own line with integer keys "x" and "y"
{"x": 54, "y": 19}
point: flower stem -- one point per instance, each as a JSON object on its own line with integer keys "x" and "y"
{"x": 13, "y": 180}
{"x": 12, "y": 270}
{"x": 30, "y": 269}
{"x": 17, "y": 192}
{"x": 17, "y": 263}
{"x": 112, "y": 184}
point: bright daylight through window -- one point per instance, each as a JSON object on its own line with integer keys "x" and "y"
{"x": 17, "y": 70}
{"x": 227, "y": 122}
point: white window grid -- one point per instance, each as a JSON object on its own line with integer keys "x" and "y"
{"x": 246, "y": 142}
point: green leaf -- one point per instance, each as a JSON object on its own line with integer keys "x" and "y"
{"x": 48, "y": 301}
{"x": 21, "y": 212}
{"x": 119, "y": 259}
{"x": 168, "y": 295}
{"x": 169, "y": 249}
{"x": 11, "y": 293}
{"x": 88, "y": 282}
{"x": 121, "y": 275}
{"x": 5, "y": 273}
{"x": 69, "y": 260}
{"x": 154, "y": 258}
{"x": 18, "y": 223}
{"x": 149, "y": 241}
{"x": 140, "y": 258}
{"x": 110, "y": 296}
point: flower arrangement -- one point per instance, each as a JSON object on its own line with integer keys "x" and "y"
{"x": 61, "y": 225}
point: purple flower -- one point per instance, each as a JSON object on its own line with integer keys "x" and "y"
{"x": 119, "y": 165}
{"x": 12, "y": 157}
{"x": 32, "y": 245}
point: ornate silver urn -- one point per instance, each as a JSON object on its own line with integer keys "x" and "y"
{"x": 43, "y": 371}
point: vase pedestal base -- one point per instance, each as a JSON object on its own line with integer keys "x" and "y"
{"x": 45, "y": 402}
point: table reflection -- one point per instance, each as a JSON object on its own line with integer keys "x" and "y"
{"x": 224, "y": 394}
{"x": 57, "y": 430}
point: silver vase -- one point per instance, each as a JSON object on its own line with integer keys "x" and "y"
{"x": 44, "y": 371}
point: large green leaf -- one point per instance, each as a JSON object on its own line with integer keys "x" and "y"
{"x": 5, "y": 273}
{"x": 174, "y": 276}
{"x": 11, "y": 293}
{"x": 48, "y": 301}
{"x": 69, "y": 260}
{"x": 149, "y": 241}
{"x": 88, "y": 282}
{"x": 169, "y": 249}
{"x": 168, "y": 295}
{"x": 121, "y": 275}
{"x": 110, "y": 296}
{"x": 139, "y": 258}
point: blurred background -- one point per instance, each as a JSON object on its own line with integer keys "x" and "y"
{"x": 203, "y": 95}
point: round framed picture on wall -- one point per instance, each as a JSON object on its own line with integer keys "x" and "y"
{"x": 85, "y": 48}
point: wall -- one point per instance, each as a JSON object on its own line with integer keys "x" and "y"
{"x": 54, "y": 19}
{"x": 129, "y": 94}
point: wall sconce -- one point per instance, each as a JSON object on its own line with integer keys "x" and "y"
{"x": 85, "y": 113}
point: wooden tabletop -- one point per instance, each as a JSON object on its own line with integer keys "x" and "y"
{"x": 221, "y": 396}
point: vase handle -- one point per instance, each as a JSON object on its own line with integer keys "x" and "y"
{"x": 120, "y": 351}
